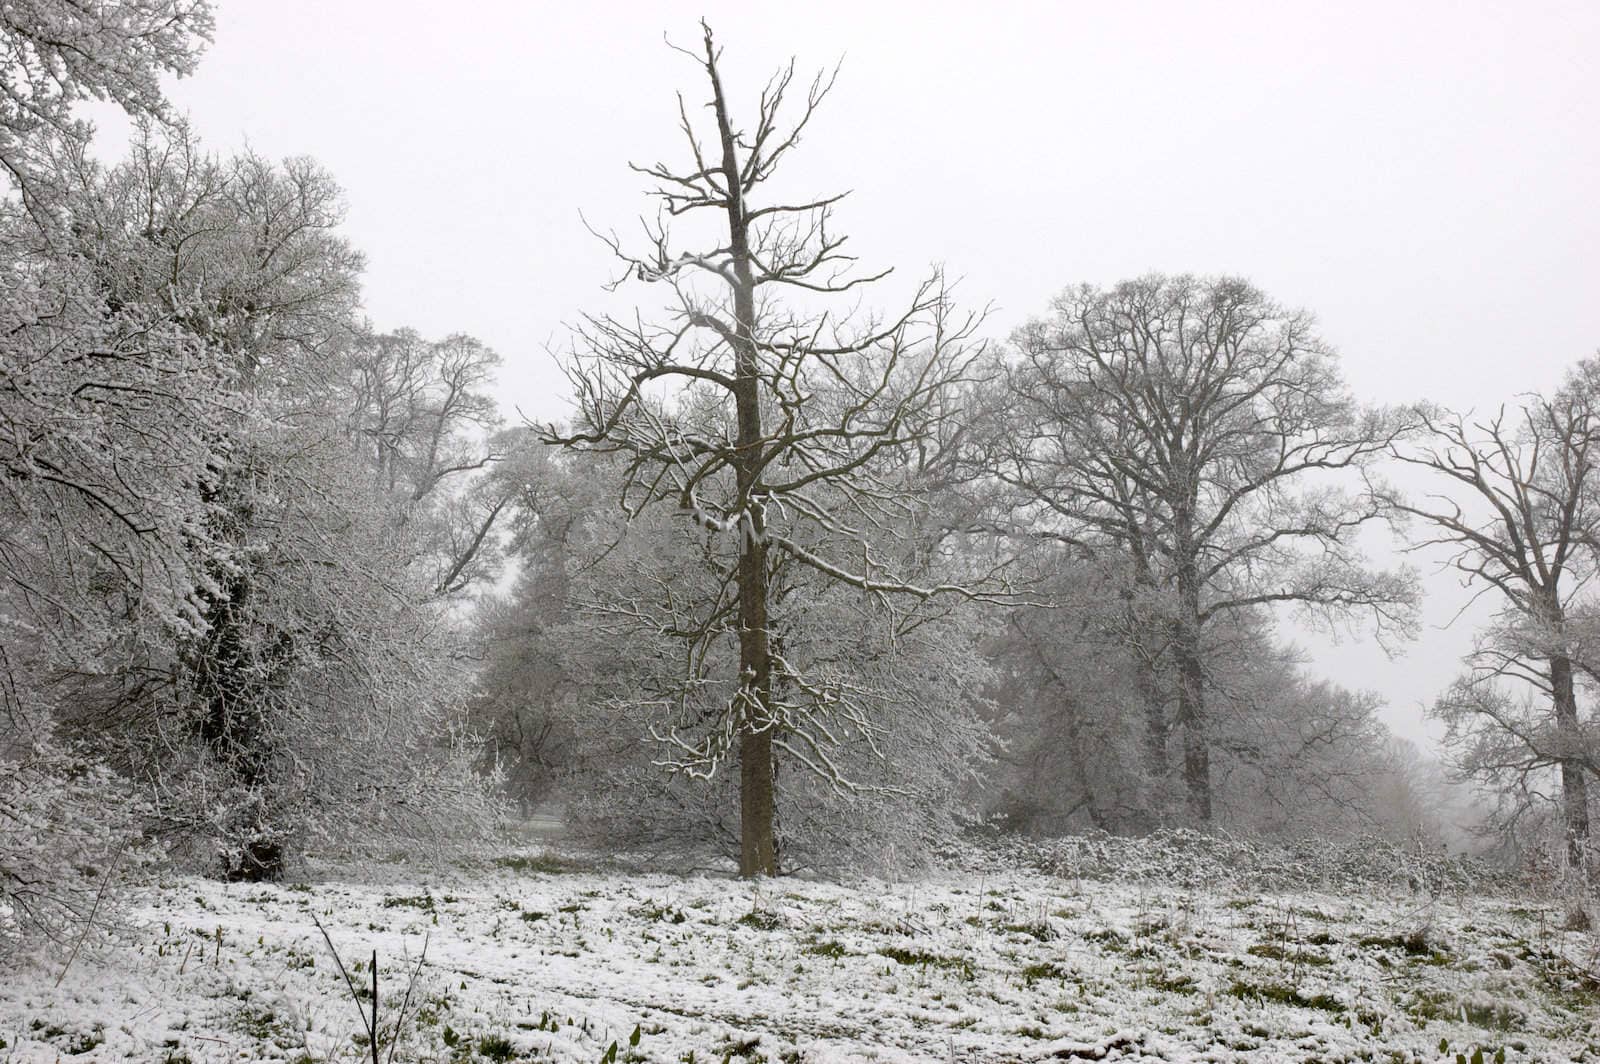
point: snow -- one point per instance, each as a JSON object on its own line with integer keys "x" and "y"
{"x": 999, "y": 966}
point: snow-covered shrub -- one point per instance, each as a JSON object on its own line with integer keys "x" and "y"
{"x": 1191, "y": 859}
{"x": 66, "y": 824}
{"x": 322, "y": 705}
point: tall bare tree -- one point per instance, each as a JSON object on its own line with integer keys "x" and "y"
{"x": 1518, "y": 506}
{"x": 786, "y": 434}
{"x": 1202, "y": 429}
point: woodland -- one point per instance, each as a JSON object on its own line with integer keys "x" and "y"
{"x": 809, "y": 584}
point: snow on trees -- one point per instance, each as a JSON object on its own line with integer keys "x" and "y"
{"x": 56, "y": 53}
{"x": 619, "y": 656}
{"x": 104, "y": 408}
{"x": 1198, "y": 429}
{"x": 792, "y": 437}
{"x": 1517, "y": 507}
{"x": 213, "y": 588}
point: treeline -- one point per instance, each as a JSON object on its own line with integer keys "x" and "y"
{"x": 809, "y": 585}
{"x": 797, "y": 583}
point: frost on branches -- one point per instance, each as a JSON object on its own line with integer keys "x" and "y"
{"x": 56, "y": 53}
{"x": 875, "y": 725}
{"x": 322, "y": 705}
{"x": 790, "y": 431}
{"x": 65, "y": 824}
{"x": 103, "y": 441}
{"x": 208, "y": 584}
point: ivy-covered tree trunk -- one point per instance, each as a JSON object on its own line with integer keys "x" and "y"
{"x": 235, "y": 672}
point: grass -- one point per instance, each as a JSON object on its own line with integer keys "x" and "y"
{"x": 1489, "y": 1013}
{"x": 541, "y": 864}
{"x": 1292, "y": 954}
{"x": 830, "y": 948}
{"x": 923, "y": 959}
{"x": 1033, "y": 973}
{"x": 1279, "y": 994}
{"x": 902, "y": 969}
{"x": 761, "y": 920}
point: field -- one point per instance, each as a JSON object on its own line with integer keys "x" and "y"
{"x": 536, "y": 957}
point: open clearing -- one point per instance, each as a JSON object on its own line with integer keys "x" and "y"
{"x": 528, "y": 959}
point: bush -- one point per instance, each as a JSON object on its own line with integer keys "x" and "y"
{"x": 1187, "y": 858}
{"x": 65, "y": 826}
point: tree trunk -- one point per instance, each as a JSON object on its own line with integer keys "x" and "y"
{"x": 1155, "y": 720}
{"x": 1196, "y": 747}
{"x": 1574, "y": 786}
{"x": 1157, "y": 734}
{"x": 1147, "y": 680}
{"x": 758, "y": 850}
{"x": 1191, "y": 696}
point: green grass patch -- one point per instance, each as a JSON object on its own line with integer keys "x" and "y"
{"x": 1490, "y": 1014}
{"x": 831, "y": 948}
{"x": 1040, "y": 970}
{"x": 423, "y": 902}
{"x": 496, "y": 1047}
{"x": 544, "y": 864}
{"x": 1171, "y": 984}
{"x": 761, "y": 920}
{"x": 1411, "y": 943}
{"x": 923, "y": 959}
{"x": 1039, "y": 932}
{"x": 654, "y": 911}
{"x": 1285, "y": 995}
{"x": 1291, "y": 955}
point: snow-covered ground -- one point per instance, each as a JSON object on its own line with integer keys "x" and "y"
{"x": 529, "y": 960}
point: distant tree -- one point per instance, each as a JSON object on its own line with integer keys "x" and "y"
{"x": 785, "y": 434}
{"x": 423, "y": 412}
{"x": 1069, "y": 707}
{"x": 1202, "y": 429}
{"x": 1517, "y": 505}
{"x": 1294, "y": 756}
{"x": 1290, "y": 756}
{"x": 524, "y": 685}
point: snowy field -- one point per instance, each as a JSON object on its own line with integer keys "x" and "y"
{"x": 537, "y": 958}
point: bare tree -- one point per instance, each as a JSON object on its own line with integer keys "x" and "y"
{"x": 1202, "y": 429}
{"x": 423, "y": 413}
{"x": 422, "y": 407}
{"x": 790, "y": 435}
{"x": 1518, "y": 507}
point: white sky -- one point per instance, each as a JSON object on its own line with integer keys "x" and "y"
{"x": 1423, "y": 176}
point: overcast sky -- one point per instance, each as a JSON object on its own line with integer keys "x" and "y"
{"x": 1422, "y": 176}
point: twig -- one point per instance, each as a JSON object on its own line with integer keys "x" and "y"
{"x": 105, "y": 881}
{"x": 400, "y": 1017}
{"x": 371, "y": 1022}
{"x": 355, "y": 996}
{"x": 373, "y": 1027}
